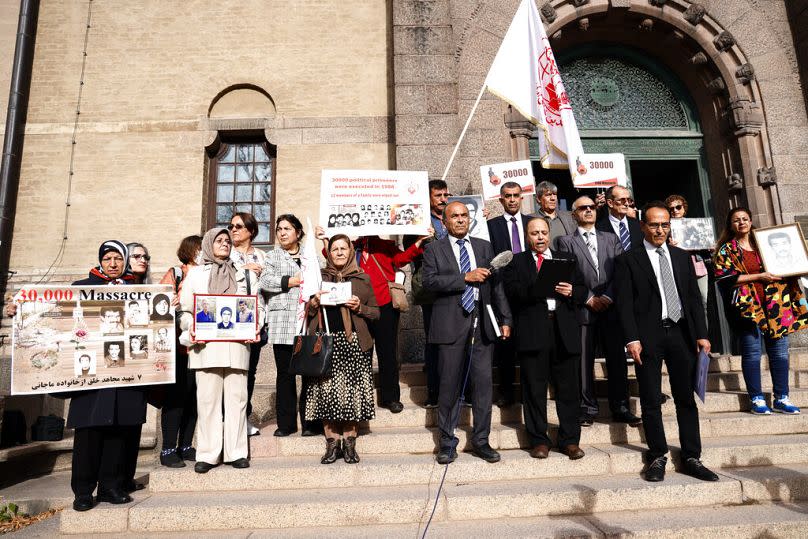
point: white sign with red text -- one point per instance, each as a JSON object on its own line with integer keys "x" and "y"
{"x": 601, "y": 170}
{"x": 493, "y": 176}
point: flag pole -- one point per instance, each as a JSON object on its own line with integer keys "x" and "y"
{"x": 463, "y": 133}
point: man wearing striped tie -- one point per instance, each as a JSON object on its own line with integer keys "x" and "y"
{"x": 616, "y": 220}
{"x": 456, "y": 269}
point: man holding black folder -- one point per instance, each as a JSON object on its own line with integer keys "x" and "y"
{"x": 660, "y": 309}
{"x": 545, "y": 289}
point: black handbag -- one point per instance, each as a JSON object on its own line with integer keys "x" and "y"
{"x": 311, "y": 354}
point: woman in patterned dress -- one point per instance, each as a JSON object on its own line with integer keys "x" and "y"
{"x": 345, "y": 396}
{"x": 761, "y": 307}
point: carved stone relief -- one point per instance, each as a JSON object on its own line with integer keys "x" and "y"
{"x": 745, "y": 73}
{"x": 698, "y": 59}
{"x": 694, "y": 14}
{"x": 767, "y": 176}
{"x": 579, "y": 3}
{"x": 647, "y": 25}
{"x": 724, "y": 41}
{"x": 717, "y": 85}
{"x": 549, "y": 13}
{"x": 745, "y": 117}
{"x": 734, "y": 182}
{"x": 658, "y": 3}
{"x": 583, "y": 24}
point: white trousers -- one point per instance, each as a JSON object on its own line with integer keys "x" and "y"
{"x": 212, "y": 385}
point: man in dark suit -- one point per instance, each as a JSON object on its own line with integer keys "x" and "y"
{"x": 507, "y": 233}
{"x": 616, "y": 220}
{"x": 595, "y": 251}
{"x": 456, "y": 271}
{"x": 561, "y": 221}
{"x": 660, "y": 309}
{"x": 549, "y": 343}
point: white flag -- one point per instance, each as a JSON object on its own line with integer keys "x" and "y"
{"x": 525, "y": 74}
{"x": 311, "y": 281}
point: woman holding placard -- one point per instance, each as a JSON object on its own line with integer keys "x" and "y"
{"x": 764, "y": 308}
{"x": 345, "y": 396}
{"x": 221, "y": 367}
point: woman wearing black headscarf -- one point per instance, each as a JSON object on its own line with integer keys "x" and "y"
{"x": 221, "y": 367}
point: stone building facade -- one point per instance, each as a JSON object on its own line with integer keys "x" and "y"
{"x": 160, "y": 87}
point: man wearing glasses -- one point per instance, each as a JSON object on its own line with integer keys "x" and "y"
{"x": 618, "y": 221}
{"x": 595, "y": 252}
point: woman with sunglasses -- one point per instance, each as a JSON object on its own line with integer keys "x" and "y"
{"x": 243, "y": 230}
{"x": 139, "y": 262}
{"x": 677, "y": 207}
{"x": 761, "y": 307}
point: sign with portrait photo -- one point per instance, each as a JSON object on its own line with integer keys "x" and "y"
{"x": 493, "y": 176}
{"x": 337, "y": 293}
{"x": 225, "y": 318}
{"x": 75, "y": 338}
{"x": 600, "y": 170}
{"x": 782, "y": 250}
{"x": 693, "y": 234}
{"x": 478, "y": 227}
{"x": 374, "y": 202}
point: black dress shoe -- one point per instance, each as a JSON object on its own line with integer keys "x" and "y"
{"x": 114, "y": 496}
{"x": 586, "y": 421}
{"x": 656, "y": 470}
{"x": 172, "y": 460}
{"x": 83, "y": 503}
{"x": 240, "y": 463}
{"x": 430, "y": 404}
{"x": 624, "y": 415}
{"x": 283, "y": 432}
{"x": 394, "y": 406}
{"x": 446, "y": 455}
{"x": 309, "y": 432}
{"x": 131, "y": 486}
{"x": 694, "y": 468}
{"x": 486, "y": 452}
{"x": 203, "y": 467}
{"x": 187, "y": 453}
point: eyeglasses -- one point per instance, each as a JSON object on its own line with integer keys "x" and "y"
{"x": 585, "y": 207}
{"x": 232, "y": 227}
{"x": 624, "y": 200}
{"x": 676, "y": 208}
{"x": 138, "y": 257}
{"x": 658, "y": 226}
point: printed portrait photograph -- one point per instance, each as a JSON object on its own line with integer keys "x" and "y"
{"x": 114, "y": 354}
{"x": 205, "y": 311}
{"x": 84, "y": 363}
{"x": 782, "y": 250}
{"x": 161, "y": 308}
{"x": 478, "y": 226}
{"x": 162, "y": 340}
{"x": 138, "y": 346}
{"x": 111, "y": 320}
{"x": 693, "y": 234}
{"x": 245, "y": 311}
{"x": 137, "y": 313}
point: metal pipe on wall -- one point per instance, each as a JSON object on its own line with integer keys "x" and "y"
{"x": 15, "y": 130}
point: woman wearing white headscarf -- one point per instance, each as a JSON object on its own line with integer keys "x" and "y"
{"x": 221, "y": 367}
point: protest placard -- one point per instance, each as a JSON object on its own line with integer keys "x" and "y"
{"x": 225, "y": 317}
{"x": 478, "y": 227}
{"x": 493, "y": 176}
{"x": 601, "y": 170}
{"x": 374, "y": 202}
{"x": 75, "y": 338}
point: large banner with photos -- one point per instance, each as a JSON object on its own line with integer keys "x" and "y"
{"x": 374, "y": 202}
{"x": 75, "y": 338}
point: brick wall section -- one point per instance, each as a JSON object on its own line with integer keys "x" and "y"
{"x": 9, "y": 15}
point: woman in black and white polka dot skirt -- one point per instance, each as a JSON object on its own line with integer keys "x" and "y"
{"x": 345, "y": 397}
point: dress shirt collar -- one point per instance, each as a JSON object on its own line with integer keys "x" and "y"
{"x": 651, "y": 248}
{"x": 582, "y": 231}
{"x": 616, "y": 222}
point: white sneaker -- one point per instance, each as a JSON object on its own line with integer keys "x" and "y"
{"x": 252, "y": 430}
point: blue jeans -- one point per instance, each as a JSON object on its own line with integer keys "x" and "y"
{"x": 750, "y": 361}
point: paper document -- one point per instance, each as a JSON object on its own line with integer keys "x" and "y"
{"x": 493, "y": 320}
{"x": 700, "y": 383}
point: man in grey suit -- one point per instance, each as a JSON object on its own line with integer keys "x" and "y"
{"x": 561, "y": 222}
{"x": 595, "y": 251}
{"x": 456, "y": 270}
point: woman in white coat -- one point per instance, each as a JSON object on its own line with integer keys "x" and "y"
{"x": 221, "y": 367}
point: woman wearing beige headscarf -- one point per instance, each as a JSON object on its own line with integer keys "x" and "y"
{"x": 345, "y": 396}
{"x": 221, "y": 367}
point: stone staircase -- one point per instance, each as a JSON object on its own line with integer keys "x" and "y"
{"x": 762, "y": 462}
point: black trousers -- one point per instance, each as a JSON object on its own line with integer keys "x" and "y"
{"x": 453, "y": 361}
{"x": 608, "y": 334}
{"x": 287, "y": 406}
{"x": 505, "y": 358}
{"x": 385, "y": 339}
{"x": 131, "y": 450}
{"x": 100, "y": 458}
{"x": 178, "y": 415}
{"x": 255, "y": 355}
{"x": 430, "y": 358}
{"x": 680, "y": 359}
{"x": 538, "y": 368}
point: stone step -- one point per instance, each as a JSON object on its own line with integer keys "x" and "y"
{"x": 387, "y": 440}
{"x": 402, "y": 504}
{"x": 716, "y": 381}
{"x": 411, "y": 469}
{"x": 783, "y": 521}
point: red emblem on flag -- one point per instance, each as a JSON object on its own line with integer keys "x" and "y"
{"x": 548, "y": 96}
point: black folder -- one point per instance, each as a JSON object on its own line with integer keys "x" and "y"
{"x": 552, "y": 272}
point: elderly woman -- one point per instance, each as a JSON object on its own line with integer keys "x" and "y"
{"x": 107, "y": 422}
{"x": 761, "y": 307}
{"x": 139, "y": 262}
{"x": 243, "y": 231}
{"x": 345, "y": 396}
{"x": 178, "y": 414}
{"x": 280, "y": 280}
{"x": 221, "y": 367}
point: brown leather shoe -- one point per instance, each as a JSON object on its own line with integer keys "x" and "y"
{"x": 573, "y": 452}
{"x": 540, "y": 452}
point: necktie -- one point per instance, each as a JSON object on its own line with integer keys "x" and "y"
{"x": 593, "y": 248}
{"x": 669, "y": 286}
{"x": 539, "y": 260}
{"x": 467, "y": 299}
{"x": 625, "y": 238}
{"x": 516, "y": 243}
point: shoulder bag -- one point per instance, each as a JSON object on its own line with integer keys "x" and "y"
{"x": 311, "y": 354}
{"x": 397, "y": 292}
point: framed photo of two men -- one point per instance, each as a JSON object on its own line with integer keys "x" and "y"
{"x": 782, "y": 250}
{"x": 225, "y": 317}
